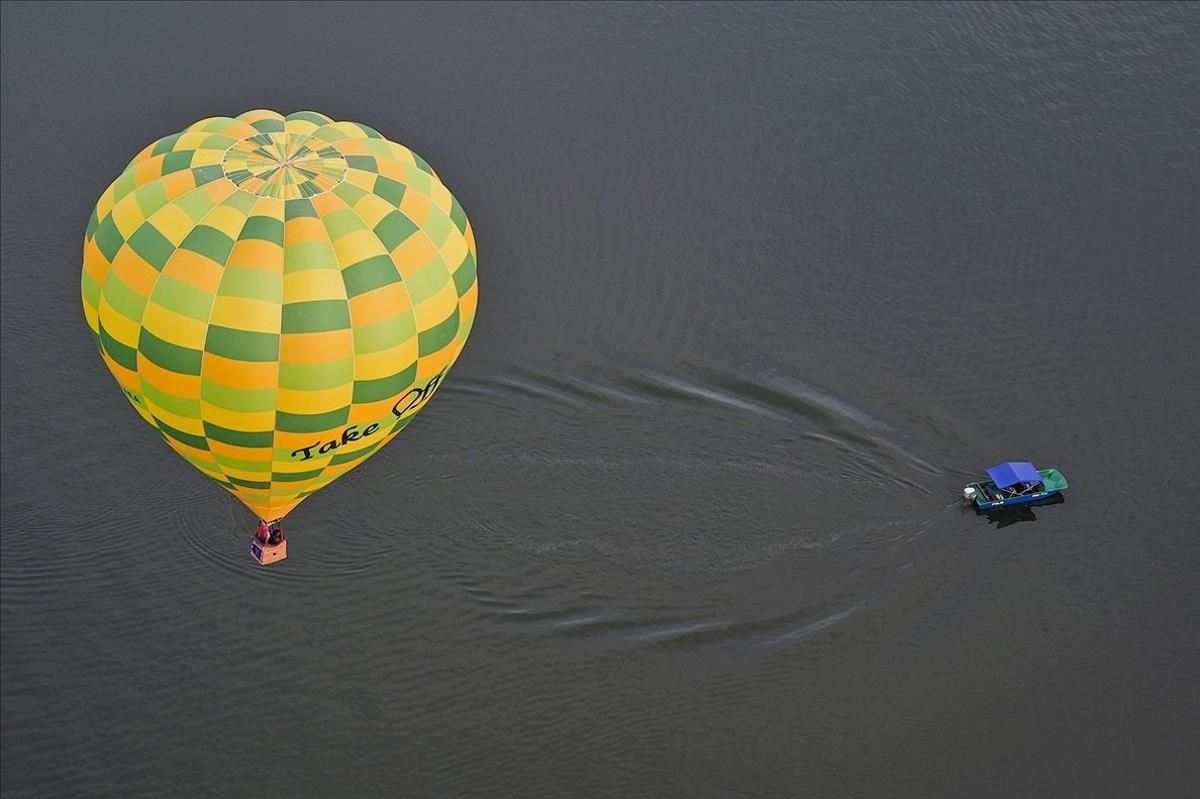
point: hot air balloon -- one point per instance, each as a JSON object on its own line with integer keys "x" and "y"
{"x": 278, "y": 296}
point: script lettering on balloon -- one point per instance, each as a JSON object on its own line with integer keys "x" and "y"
{"x": 351, "y": 433}
{"x": 417, "y": 396}
{"x": 409, "y": 403}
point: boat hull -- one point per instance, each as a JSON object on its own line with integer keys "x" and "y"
{"x": 1024, "y": 499}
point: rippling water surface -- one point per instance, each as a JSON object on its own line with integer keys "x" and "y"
{"x": 762, "y": 287}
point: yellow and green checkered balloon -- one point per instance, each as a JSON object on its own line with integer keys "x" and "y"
{"x": 278, "y": 296}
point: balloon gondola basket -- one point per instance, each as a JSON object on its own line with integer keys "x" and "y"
{"x": 270, "y": 545}
{"x": 266, "y": 554}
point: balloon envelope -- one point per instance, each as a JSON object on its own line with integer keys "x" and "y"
{"x": 278, "y": 296}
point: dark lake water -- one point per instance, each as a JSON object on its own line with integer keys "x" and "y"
{"x": 761, "y": 288}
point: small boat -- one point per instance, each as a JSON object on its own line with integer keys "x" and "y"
{"x": 1014, "y": 483}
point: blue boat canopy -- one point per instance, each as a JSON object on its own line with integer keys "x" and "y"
{"x": 1013, "y": 472}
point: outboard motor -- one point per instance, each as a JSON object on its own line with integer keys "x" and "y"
{"x": 968, "y": 494}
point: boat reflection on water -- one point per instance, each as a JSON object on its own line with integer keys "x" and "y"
{"x": 1003, "y": 517}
